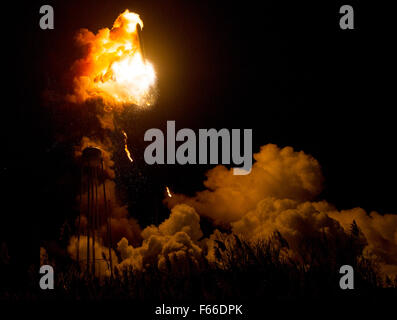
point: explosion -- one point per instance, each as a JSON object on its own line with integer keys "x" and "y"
{"x": 278, "y": 197}
{"x": 114, "y": 72}
{"x": 114, "y": 67}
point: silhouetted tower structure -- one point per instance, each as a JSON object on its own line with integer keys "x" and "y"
{"x": 95, "y": 209}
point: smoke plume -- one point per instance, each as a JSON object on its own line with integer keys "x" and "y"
{"x": 279, "y": 173}
{"x": 278, "y": 197}
{"x": 171, "y": 246}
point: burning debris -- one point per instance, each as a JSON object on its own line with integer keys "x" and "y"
{"x": 169, "y": 194}
{"x": 127, "y": 152}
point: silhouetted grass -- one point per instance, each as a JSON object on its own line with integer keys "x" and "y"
{"x": 244, "y": 270}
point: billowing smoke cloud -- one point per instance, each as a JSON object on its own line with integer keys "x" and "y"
{"x": 276, "y": 196}
{"x": 294, "y": 220}
{"x": 279, "y": 173}
{"x": 380, "y": 232}
{"x": 302, "y": 221}
{"x": 172, "y": 246}
{"x": 102, "y": 263}
{"x": 122, "y": 225}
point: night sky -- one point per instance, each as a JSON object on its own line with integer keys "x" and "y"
{"x": 285, "y": 70}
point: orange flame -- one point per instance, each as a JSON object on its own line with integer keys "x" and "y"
{"x": 126, "y": 147}
{"x": 113, "y": 67}
{"x": 169, "y": 194}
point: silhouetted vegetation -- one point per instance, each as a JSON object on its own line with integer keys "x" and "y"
{"x": 243, "y": 270}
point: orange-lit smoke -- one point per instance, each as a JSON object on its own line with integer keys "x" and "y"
{"x": 113, "y": 67}
{"x": 280, "y": 195}
{"x": 122, "y": 224}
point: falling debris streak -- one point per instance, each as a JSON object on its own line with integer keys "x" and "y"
{"x": 128, "y": 153}
{"x": 168, "y": 192}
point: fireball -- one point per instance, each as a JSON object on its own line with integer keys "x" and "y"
{"x": 114, "y": 67}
